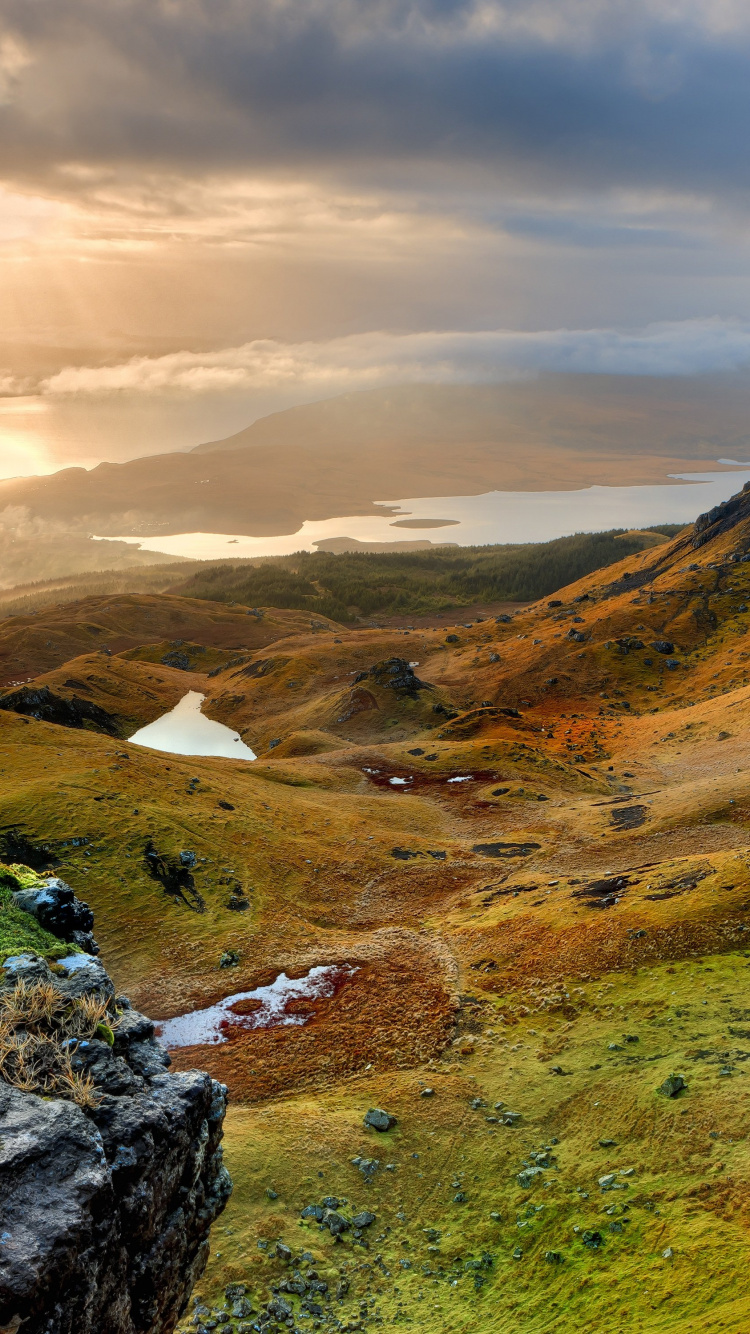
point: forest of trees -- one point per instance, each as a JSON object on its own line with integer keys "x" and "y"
{"x": 363, "y": 584}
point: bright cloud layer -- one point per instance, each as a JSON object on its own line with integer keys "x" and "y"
{"x": 687, "y": 348}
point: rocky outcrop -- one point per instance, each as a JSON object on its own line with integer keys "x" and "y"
{"x": 395, "y": 674}
{"x": 721, "y": 518}
{"x": 43, "y": 704}
{"x": 56, "y": 908}
{"x": 105, "y": 1209}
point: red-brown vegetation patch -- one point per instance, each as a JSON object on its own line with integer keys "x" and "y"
{"x": 506, "y": 955}
{"x": 391, "y": 1013}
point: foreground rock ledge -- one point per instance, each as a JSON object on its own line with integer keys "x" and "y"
{"x": 105, "y": 1212}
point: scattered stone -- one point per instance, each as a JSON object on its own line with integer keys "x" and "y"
{"x": 592, "y": 1239}
{"x": 553, "y": 1257}
{"x": 607, "y": 1181}
{"x": 607, "y": 1143}
{"x": 229, "y": 959}
{"x": 335, "y": 1222}
{"x": 662, "y": 646}
{"x": 280, "y": 1309}
{"x": 271, "y": 1193}
{"x": 365, "y": 1219}
{"x": 377, "y": 1119}
{"x": 672, "y": 1085}
{"x": 529, "y": 1176}
{"x": 427, "y": 1093}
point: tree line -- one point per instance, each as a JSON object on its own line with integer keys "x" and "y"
{"x": 352, "y": 585}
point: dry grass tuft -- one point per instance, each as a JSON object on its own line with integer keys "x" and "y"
{"x": 40, "y": 1030}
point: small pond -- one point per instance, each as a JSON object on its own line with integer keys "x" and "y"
{"x": 186, "y": 731}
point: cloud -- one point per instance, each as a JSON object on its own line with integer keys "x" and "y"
{"x": 686, "y": 347}
{"x": 594, "y": 92}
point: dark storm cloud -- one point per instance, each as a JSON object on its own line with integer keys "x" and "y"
{"x": 560, "y": 93}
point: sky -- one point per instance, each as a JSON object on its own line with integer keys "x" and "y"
{"x": 211, "y": 209}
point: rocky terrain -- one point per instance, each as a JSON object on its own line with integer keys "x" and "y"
{"x": 111, "y": 1169}
{"x": 518, "y": 848}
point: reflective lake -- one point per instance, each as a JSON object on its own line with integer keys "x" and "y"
{"x": 497, "y": 516}
{"x": 185, "y": 731}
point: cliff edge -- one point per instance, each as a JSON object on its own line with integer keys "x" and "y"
{"x": 111, "y": 1168}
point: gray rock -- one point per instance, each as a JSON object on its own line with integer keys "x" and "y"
{"x": 529, "y": 1176}
{"x": 672, "y": 1085}
{"x": 105, "y": 1215}
{"x": 335, "y": 1222}
{"x": 280, "y": 1309}
{"x": 377, "y": 1119}
{"x": 56, "y": 908}
{"x": 105, "y": 1212}
{"x": 365, "y": 1219}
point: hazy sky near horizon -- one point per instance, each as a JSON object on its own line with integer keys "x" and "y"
{"x": 213, "y": 208}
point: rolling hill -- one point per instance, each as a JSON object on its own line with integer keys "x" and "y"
{"x": 523, "y": 846}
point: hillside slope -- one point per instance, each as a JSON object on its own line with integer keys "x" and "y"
{"x": 521, "y": 850}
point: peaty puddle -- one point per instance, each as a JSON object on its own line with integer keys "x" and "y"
{"x": 186, "y": 731}
{"x": 270, "y": 1009}
{"x": 410, "y": 782}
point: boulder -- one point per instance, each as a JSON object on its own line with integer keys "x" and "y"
{"x": 672, "y": 1085}
{"x": 56, "y": 908}
{"x": 377, "y": 1119}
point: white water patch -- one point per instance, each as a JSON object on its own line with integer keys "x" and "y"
{"x": 497, "y": 516}
{"x": 212, "y": 1026}
{"x": 186, "y": 731}
{"x": 72, "y": 962}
